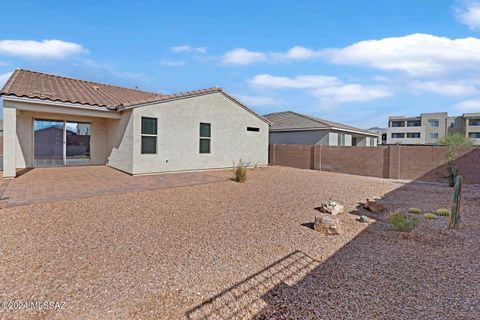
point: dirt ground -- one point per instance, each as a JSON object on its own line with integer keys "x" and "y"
{"x": 227, "y": 250}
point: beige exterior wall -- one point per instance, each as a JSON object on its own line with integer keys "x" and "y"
{"x": 116, "y": 136}
{"x": 179, "y": 130}
{"x": 300, "y": 137}
{"x": 120, "y": 142}
{"x": 317, "y": 137}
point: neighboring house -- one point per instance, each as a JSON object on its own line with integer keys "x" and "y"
{"x": 429, "y": 127}
{"x": 382, "y": 132}
{"x": 294, "y": 128}
{"x": 56, "y": 121}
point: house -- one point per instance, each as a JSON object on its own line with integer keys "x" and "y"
{"x": 427, "y": 128}
{"x": 51, "y": 120}
{"x": 382, "y": 133}
{"x": 294, "y": 128}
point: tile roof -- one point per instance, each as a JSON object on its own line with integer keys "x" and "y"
{"x": 167, "y": 97}
{"x": 289, "y": 120}
{"x": 32, "y": 84}
{"x": 37, "y": 85}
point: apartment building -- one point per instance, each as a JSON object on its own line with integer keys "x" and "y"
{"x": 429, "y": 127}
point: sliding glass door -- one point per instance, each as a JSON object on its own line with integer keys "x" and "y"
{"x": 78, "y": 143}
{"x": 48, "y": 143}
{"x": 58, "y": 143}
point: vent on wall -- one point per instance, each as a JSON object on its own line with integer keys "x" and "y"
{"x": 253, "y": 129}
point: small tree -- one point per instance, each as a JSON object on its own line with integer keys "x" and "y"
{"x": 453, "y": 141}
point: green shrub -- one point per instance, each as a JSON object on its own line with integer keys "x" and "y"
{"x": 402, "y": 222}
{"x": 443, "y": 212}
{"x": 430, "y": 216}
{"x": 415, "y": 210}
{"x": 240, "y": 171}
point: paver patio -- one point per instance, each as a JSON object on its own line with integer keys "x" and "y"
{"x": 61, "y": 183}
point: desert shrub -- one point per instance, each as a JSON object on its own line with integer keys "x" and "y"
{"x": 240, "y": 171}
{"x": 402, "y": 222}
{"x": 443, "y": 212}
{"x": 453, "y": 142}
{"x": 430, "y": 216}
{"x": 415, "y": 210}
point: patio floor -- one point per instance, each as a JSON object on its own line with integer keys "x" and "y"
{"x": 52, "y": 184}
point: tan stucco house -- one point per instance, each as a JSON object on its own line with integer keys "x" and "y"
{"x": 51, "y": 120}
{"x": 290, "y": 127}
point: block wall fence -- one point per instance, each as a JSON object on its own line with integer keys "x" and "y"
{"x": 423, "y": 163}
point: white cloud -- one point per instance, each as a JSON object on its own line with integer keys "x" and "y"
{"x": 173, "y": 63}
{"x": 188, "y": 48}
{"x": 468, "y": 105}
{"x": 298, "y": 53}
{"x": 416, "y": 54}
{"x": 4, "y": 77}
{"x": 444, "y": 88}
{"x": 299, "y": 82}
{"x": 349, "y": 93}
{"x": 258, "y": 101}
{"x": 468, "y": 13}
{"x": 45, "y": 49}
{"x": 243, "y": 57}
{"x": 330, "y": 90}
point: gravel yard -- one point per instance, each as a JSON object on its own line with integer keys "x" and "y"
{"x": 237, "y": 251}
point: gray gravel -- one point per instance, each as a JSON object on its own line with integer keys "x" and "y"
{"x": 237, "y": 251}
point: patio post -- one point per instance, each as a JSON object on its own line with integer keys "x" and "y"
{"x": 9, "y": 142}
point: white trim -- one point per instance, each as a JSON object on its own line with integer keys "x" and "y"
{"x": 57, "y": 103}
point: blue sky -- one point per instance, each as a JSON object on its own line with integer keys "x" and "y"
{"x": 354, "y": 62}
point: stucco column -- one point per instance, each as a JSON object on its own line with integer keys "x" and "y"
{"x": 9, "y": 141}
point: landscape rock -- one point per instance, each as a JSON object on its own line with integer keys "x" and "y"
{"x": 375, "y": 207}
{"x": 327, "y": 224}
{"x": 331, "y": 207}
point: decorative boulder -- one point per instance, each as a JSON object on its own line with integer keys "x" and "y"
{"x": 331, "y": 207}
{"x": 375, "y": 207}
{"x": 327, "y": 224}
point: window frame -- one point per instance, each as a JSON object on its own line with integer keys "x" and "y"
{"x": 150, "y": 135}
{"x": 430, "y": 121}
{"x": 418, "y": 134}
{"x": 400, "y": 122}
{"x": 431, "y": 138}
{"x": 398, "y": 133}
{"x": 341, "y": 139}
{"x": 414, "y": 123}
{"x": 205, "y": 138}
{"x": 473, "y": 122}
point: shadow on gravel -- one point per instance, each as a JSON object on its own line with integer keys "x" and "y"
{"x": 244, "y": 298}
{"x": 431, "y": 273}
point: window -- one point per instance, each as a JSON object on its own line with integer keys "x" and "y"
{"x": 253, "y": 129}
{"x": 413, "y": 135}
{"x": 474, "y": 122}
{"x": 396, "y": 135}
{"x": 433, "y": 135}
{"x": 396, "y": 124}
{"x": 341, "y": 139}
{"x": 433, "y": 123}
{"x": 413, "y": 123}
{"x": 474, "y": 135}
{"x": 149, "y": 135}
{"x": 205, "y": 137}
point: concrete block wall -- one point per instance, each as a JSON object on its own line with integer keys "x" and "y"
{"x": 424, "y": 163}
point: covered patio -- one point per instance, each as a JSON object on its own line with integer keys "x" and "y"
{"x": 61, "y": 183}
